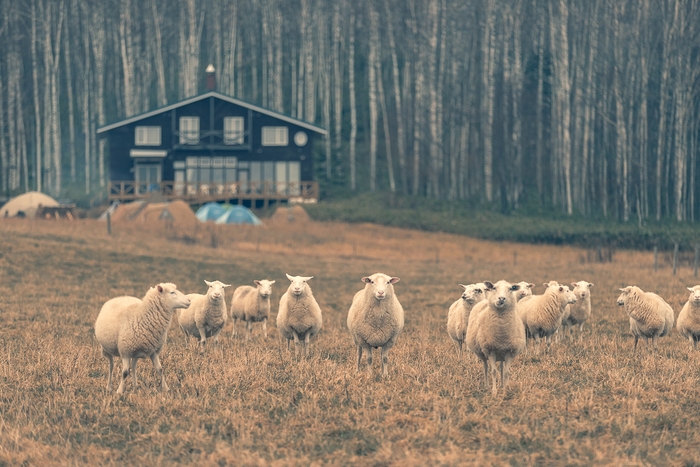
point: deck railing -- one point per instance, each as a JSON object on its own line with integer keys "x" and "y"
{"x": 198, "y": 193}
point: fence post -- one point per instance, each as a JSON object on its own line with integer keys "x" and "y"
{"x": 656, "y": 258}
{"x": 109, "y": 224}
{"x": 675, "y": 258}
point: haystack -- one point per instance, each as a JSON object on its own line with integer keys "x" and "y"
{"x": 27, "y": 204}
{"x": 293, "y": 213}
{"x": 177, "y": 213}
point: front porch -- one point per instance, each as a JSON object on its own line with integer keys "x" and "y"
{"x": 254, "y": 193}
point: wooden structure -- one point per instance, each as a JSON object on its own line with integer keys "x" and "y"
{"x": 212, "y": 147}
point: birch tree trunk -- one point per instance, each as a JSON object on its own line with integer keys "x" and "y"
{"x": 353, "y": 103}
{"x": 161, "y": 93}
{"x": 400, "y": 125}
{"x": 69, "y": 95}
{"x": 373, "y": 111}
{"x": 488, "y": 54}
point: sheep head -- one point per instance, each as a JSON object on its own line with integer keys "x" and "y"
{"x": 298, "y": 284}
{"x": 381, "y": 284}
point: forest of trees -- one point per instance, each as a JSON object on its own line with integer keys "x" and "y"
{"x": 581, "y": 107}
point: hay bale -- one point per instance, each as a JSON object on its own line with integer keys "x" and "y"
{"x": 294, "y": 213}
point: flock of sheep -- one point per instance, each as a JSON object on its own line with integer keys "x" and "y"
{"x": 494, "y": 320}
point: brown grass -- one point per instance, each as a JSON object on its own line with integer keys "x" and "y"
{"x": 588, "y": 403}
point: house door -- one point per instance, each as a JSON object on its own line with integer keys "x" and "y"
{"x": 148, "y": 177}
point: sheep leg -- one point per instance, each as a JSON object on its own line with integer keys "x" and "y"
{"x": 359, "y": 357}
{"x": 125, "y": 374}
{"x": 133, "y": 371}
{"x": 458, "y": 344}
{"x": 265, "y": 328}
{"x": 288, "y": 342}
{"x": 486, "y": 374}
{"x": 580, "y": 332}
{"x": 202, "y": 337}
{"x": 494, "y": 374}
{"x": 233, "y": 332}
{"x": 111, "y": 369}
{"x": 249, "y": 329}
{"x": 653, "y": 343}
{"x": 503, "y": 384}
{"x": 159, "y": 371}
{"x": 636, "y": 340}
{"x": 385, "y": 361}
{"x": 548, "y": 340}
{"x": 505, "y": 374}
{"x": 369, "y": 359}
{"x": 296, "y": 343}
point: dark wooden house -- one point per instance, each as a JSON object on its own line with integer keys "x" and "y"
{"x": 212, "y": 147}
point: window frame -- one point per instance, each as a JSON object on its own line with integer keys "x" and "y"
{"x": 189, "y": 135}
{"x": 147, "y": 131}
{"x": 231, "y": 135}
{"x": 281, "y": 136}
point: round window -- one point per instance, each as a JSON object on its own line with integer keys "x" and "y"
{"x": 300, "y": 138}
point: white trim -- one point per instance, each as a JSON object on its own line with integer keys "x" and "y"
{"x": 148, "y": 153}
{"x": 255, "y": 108}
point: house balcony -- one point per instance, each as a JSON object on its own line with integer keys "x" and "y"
{"x": 261, "y": 193}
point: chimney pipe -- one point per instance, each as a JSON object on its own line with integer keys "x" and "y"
{"x": 211, "y": 78}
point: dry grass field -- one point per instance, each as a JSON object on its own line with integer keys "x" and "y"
{"x": 585, "y": 403}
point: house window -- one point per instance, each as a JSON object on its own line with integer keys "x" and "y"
{"x": 233, "y": 130}
{"x": 275, "y": 136}
{"x": 189, "y": 130}
{"x": 216, "y": 170}
{"x": 147, "y": 136}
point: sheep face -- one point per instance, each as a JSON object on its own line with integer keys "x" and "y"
{"x": 171, "y": 297}
{"x": 582, "y": 289}
{"x": 216, "y": 290}
{"x": 525, "y": 290}
{"x": 472, "y": 293}
{"x": 502, "y": 294}
{"x": 264, "y": 288}
{"x": 379, "y": 283}
{"x": 623, "y": 296}
{"x": 694, "y": 295}
{"x": 569, "y": 295}
{"x": 298, "y": 284}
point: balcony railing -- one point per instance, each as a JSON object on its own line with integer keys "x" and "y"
{"x": 197, "y": 193}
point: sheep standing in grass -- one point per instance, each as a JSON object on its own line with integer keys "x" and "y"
{"x": 542, "y": 314}
{"x": 458, "y": 315}
{"x": 496, "y": 333}
{"x": 206, "y": 316}
{"x": 299, "y": 317}
{"x": 252, "y": 305}
{"x": 375, "y": 318}
{"x": 650, "y": 316}
{"x": 130, "y": 328}
{"x": 689, "y": 317}
{"x": 576, "y": 314}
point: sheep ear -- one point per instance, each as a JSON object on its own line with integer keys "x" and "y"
{"x": 291, "y": 278}
{"x": 394, "y": 280}
{"x": 272, "y": 282}
{"x": 463, "y": 286}
{"x": 574, "y": 284}
{"x": 691, "y": 289}
{"x": 366, "y": 280}
{"x": 227, "y": 285}
{"x": 207, "y": 282}
{"x": 590, "y": 285}
{"x": 529, "y": 286}
{"x": 546, "y": 284}
{"x": 489, "y": 285}
{"x": 159, "y": 288}
{"x": 257, "y": 282}
{"x": 561, "y": 289}
{"x": 307, "y": 278}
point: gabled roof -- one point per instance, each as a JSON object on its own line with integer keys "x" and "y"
{"x": 217, "y": 95}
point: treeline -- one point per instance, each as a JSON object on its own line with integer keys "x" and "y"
{"x": 583, "y": 107}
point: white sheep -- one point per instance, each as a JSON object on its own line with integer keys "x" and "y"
{"x": 375, "y": 318}
{"x": 525, "y": 290}
{"x": 458, "y": 314}
{"x": 542, "y": 314}
{"x": 650, "y": 316}
{"x": 206, "y": 316}
{"x": 299, "y": 316}
{"x": 576, "y": 314}
{"x": 689, "y": 317}
{"x": 130, "y": 328}
{"x": 252, "y": 305}
{"x": 495, "y": 332}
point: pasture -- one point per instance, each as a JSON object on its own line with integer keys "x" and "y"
{"x": 585, "y": 403}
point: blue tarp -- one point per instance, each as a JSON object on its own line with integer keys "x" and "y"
{"x": 210, "y": 212}
{"x": 239, "y": 215}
